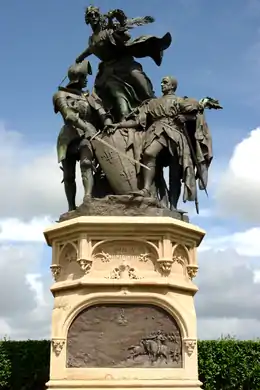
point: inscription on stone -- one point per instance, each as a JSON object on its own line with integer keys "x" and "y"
{"x": 129, "y": 335}
{"x": 119, "y": 252}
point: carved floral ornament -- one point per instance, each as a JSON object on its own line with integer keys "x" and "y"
{"x": 165, "y": 265}
{"x": 85, "y": 265}
{"x": 57, "y": 345}
{"x": 192, "y": 271}
{"x": 55, "y": 270}
{"x": 125, "y": 271}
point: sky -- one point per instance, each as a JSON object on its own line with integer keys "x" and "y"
{"x": 215, "y": 52}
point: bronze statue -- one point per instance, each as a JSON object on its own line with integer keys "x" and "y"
{"x": 121, "y": 82}
{"x": 122, "y": 126}
{"x": 170, "y": 142}
{"x": 82, "y": 115}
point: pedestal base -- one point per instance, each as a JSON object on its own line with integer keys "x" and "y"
{"x": 124, "y": 313}
{"x": 159, "y": 384}
{"x": 125, "y": 206}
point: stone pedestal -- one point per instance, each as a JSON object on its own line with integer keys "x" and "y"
{"x": 124, "y": 313}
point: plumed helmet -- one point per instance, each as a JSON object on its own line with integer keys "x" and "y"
{"x": 78, "y": 70}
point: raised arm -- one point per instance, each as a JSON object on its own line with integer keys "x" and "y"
{"x": 86, "y": 53}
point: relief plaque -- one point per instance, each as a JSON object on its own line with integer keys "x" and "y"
{"x": 124, "y": 335}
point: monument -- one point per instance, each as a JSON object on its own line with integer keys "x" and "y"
{"x": 124, "y": 260}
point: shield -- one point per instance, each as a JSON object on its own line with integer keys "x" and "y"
{"x": 120, "y": 172}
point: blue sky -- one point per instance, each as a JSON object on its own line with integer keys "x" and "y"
{"x": 215, "y": 52}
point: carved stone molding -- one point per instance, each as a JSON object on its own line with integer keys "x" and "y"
{"x": 85, "y": 265}
{"x": 189, "y": 345}
{"x": 192, "y": 271}
{"x": 57, "y": 345}
{"x": 55, "y": 270}
{"x": 61, "y": 303}
{"x": 165, "y": 265}
{"x": 124, "y": 291}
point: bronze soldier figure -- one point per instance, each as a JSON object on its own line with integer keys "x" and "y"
{"x": 83, "y": 115}
{"x": 167, "y": 143}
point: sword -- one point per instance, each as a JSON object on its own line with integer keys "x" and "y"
{"x": 63, "y": 80}
{"x": 95, "y": 137}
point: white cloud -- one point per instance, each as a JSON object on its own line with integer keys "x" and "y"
{"x": 228, "y": 300}
{"x": 25, "y": 303}
{"x": 238, "y": 192}
{"x": 245, "y": 243}
{"x": 214, "y": 328}
{"x": 30, "y": 179}
{"x": 12, "y": 229}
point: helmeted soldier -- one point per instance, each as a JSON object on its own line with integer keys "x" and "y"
{"x": 83, "y": 115}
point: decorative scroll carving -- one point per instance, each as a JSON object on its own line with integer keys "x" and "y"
{"x": 144, "y": 257}
{"x": 165, "y": 266}
{"x": 124, "y": 335}
{"x": 55, "y": 270}
{"x": 57, "y": 345}
{"x": 189, "y": 345}
{"x": 123, "y": 271}
{"x": 85, "y": 265}
{"x": 192, "y": 271}
{"x": 103, "y": 256}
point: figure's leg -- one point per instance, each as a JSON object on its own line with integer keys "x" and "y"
{"x": 175, "y": 176}
{"x": 142, "y": 85}
{"x": 69, "y": 179}
{"x": 121, "y": 109}
{"x": 86, "y": 167}
{"x": 149, "y": 159}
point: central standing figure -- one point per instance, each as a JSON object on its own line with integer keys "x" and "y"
{"x": 168, "y": 141}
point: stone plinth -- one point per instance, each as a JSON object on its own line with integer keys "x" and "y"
{"x": 124, "y": 313}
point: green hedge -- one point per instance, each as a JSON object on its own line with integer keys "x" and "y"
{"x": 225, "y": 364}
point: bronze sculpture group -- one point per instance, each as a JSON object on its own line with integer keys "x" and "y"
{"x": 122, "y": 134}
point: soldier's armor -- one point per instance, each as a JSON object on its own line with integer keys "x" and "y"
{"x": 121, "y": 173}
{"x": 83, "y": 105}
